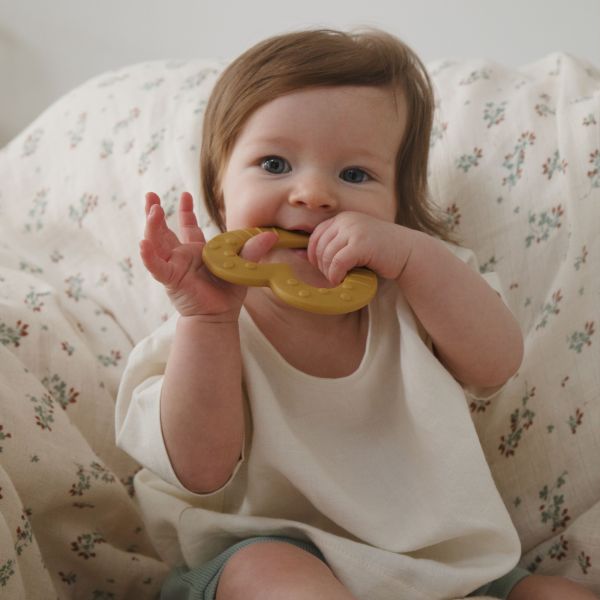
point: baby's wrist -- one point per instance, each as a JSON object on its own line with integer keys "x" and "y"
{"x": 409, "y": 255}
{"x": 228, "y": 318}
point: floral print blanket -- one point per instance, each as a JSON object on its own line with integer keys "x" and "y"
{"x": 515, "y": 165}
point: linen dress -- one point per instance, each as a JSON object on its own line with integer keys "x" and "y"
{"x": 382, "y": 470}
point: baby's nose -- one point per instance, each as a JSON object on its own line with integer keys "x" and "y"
{"x": 314, "y": 193}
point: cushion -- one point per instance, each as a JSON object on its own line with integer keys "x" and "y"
{"x": 515, "y": 166}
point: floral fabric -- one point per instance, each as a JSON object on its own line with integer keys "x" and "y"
{"x": 515, "y": 166}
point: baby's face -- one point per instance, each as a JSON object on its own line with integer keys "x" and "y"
{"x": 306, "y": 156}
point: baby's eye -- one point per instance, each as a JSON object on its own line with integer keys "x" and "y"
{"x": 276, "y": 165}
{"x": 354, "y": 175}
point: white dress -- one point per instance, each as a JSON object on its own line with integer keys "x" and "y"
{"x": 382, "y": 470}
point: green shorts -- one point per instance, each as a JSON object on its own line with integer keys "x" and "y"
{"x": 201, "y": 583}
{"x": 501, "y": 587}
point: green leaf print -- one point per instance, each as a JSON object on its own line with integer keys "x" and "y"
{"x": 543, "y": 109}
{"x": 156, "y": 140}
{"x": 87, "y": 203}
{"x": 58, "y": 389}
{"x": 549, "y": 309}
{"x": 559, "y": 549}
{"x": 196, "y": 80}
{"x": 575, "y": 420}
{"x": 452, "y": 217}
{"x": 476, "y": 75}
{"x": 514, "y": 161}
{"x": 32, "y": 142}
{"x": 521, "y": 419}
{"x": 24, "y": 533}
{"x": 494, "y": 113}
{"x": 541, "y": 225}
{"x": 466, "y": 161}
{"x": 112, "y": 360}
{"x": 33, "y": 300}
{"x": 13, "y": 335}
{"x": 437, "y": 133}
{"x": 594, "y": 174}
{"x": 86, "y": 475}
{"x": 581, "y": 259}
{"x": 584, "y": 562}
{"x": 552, "y": 509}
{"x": 579, "y": 339}
{"x": 75, "y": 135}
{"x": 554, "y": 164}
{"x": 44, "y": 410}
{"x": 126, "y": 265}
{"x": 37, "y": 212}
{"x": 85, "y": 544}
{"x": 75, "y": 287}
{"x": 7, "y": 570}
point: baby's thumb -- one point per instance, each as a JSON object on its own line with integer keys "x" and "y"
{"x": 259, "y": 246}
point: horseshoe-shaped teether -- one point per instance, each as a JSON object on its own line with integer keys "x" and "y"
{"x": 221, "y": 257}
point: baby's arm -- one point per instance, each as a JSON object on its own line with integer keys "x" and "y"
{"x": 473, "y": 332}
{"x": 201, "y": 405}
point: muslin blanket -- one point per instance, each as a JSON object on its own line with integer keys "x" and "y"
{"x": 515, "y": 165}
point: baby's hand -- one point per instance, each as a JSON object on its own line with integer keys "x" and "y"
{"x": 352, "y": 239}
{"x": 192, "y": 288}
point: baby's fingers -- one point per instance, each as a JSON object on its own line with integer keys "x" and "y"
{"x": 157, "y": 231}
{"x": 259, "y": 246}
{"x": 340, "y": 263}
{"x": 188, "y": 224}
{"x": 159, "y": 268}
{"x": 151, "y": 200}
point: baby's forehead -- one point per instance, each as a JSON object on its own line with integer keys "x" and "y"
{"x": 333, "y": 104}
{"x": 353, "y": 114}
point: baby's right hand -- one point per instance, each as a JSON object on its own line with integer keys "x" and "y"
{"x": 192, "y": 288}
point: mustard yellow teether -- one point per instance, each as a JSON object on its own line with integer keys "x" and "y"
{"x": 221, "y": 257}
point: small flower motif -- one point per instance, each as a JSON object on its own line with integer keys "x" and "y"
{"x": 494, "y": 114}
{"x": 578, "y": 340}
{"x": 553, "y": 165}
{"x": 514, "y": 161}
{"x": 466, "y": 161}
{"x": 542, "y": 224}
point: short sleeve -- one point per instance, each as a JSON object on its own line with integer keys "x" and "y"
{"x": 468, "y": 257}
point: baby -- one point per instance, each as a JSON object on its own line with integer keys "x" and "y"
{"x": 295, "y": 455}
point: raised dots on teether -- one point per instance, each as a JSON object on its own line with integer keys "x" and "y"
{"x": 221, "y": 256}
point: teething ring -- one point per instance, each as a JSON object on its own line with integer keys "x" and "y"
{"x": 221, "y": 256}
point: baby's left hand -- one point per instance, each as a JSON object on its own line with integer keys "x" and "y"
{"x": 353, "y": 239}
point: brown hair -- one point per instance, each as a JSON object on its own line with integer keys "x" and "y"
{"x": 324, "y": 58}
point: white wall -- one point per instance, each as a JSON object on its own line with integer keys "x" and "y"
{"x": 49, "y": 46}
